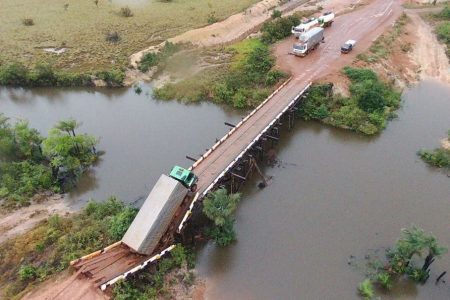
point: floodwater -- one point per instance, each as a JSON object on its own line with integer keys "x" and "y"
{"x": 142, "y": 138}
{"x": 335, "y": 194}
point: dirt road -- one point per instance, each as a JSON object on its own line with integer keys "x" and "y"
{"x": 363, "y": 25}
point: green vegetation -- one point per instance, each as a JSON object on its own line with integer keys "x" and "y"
{"x": 30, "y": 163}
{"x": 16, "y": 74}
{"x": 48, "y": 248}
{"x": 150, "y": 284}
{"x": 158, "y": 58}
{"x": 439, "y": 157}
{"x": 441, "y": 23}
{"x": 402, "y": 260}
{"x": 281, "y": 27}
{"x": 244, "y": 82}
{"x": 276, "y": 14}
{"x": 371, "y": 104}
{"x": 384, "y": 45}
{"x": 366, "y": 290}
{"x": 80, "y": 26}
{"x": 219, "y": 207}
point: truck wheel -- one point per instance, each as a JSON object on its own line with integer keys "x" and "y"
{"x": 194, "y": 188}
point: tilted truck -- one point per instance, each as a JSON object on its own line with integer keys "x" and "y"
{"x": 326, "y": 19}
{"x": 158, "y": 210}
{"x": 304, "y": 27}
{"x": 308, "y": 41}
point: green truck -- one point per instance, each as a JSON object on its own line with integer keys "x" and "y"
{"x": 186, "y": 177}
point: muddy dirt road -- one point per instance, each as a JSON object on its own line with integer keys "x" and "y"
{"x": 363, "y": 25}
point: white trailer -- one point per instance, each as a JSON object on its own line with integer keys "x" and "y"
{"x": 155, "y": 215}
{"x": 309, "y": 41}
{"x": 326, "y": 19}
{"x": 304, "y": 27}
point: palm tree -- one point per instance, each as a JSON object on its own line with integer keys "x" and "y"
{"x": 68, "y": 126}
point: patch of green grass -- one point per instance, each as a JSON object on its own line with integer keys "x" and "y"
{"x": 80, "y": 26}
{"x": 48, "y": 248}
{"x": 371, "y": 104}
{"x": 245, "y": 79}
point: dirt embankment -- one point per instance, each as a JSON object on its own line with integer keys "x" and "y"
{"x": 227, "y": 31}
{"x": 428, "y": 52}
{"x": 23, "y": 219}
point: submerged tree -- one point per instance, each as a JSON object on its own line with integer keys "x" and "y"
{"x": 219, "y": 207}
{"x": 69, "y": 154}
{"x": 413, "y": 245}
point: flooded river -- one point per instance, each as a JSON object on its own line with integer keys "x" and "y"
{"x": 335, "y": 194}
{"x": 142, "y": 138}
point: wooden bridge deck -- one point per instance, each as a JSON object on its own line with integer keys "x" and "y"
{"x": 213, "y": 164}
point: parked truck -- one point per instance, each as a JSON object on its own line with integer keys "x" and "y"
{"x": 158, "y": 210}
{"x": 304, "y": 27}
{"x": 326, "y": 19}
{"x": 308, "y": 41}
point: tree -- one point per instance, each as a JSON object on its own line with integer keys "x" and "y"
{"x": 69, "y": 154}
{"x": 68, "y": 126}
{"x": 6, "y": 138}
{"x": 219, "y": 207}
{"x": 27, "y": 141}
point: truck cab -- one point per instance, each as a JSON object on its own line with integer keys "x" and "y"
{"x": 186, "y": 177}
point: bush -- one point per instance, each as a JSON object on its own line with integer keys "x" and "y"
{"x": 27, "y": 272}
{"x": 112, "y": 37}
{"x": 212, "y": 18}
{"x": 113, "y": 78}
{"x": 14, "y": 74}
{"x": 276, "y": 14}
{"x": 443, "y": 32}
{"x": 366, "y": 290}
{"x": 152, "y": 59}
{"x": 439, "y": 157}
{"x": 126, "y": 12}
{"x": 28, "y": 21}
{"x": 444, "y": 13}
{"x": 119, "y": 223}
{"x": 371, "y": 103}
{"x": 278, "y": 29}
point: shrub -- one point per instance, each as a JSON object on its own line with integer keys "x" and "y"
{"x": 276, "y": 14}
{"x": 278, "y": 29}
{"x": 126, "y": 12}
{"x": 212, "y": 18}
{"x": 15, "y": 74}
{"x": 439, "y": 157}
{"x": 443, "y": 32}
{"x": 366, "y": 290}
{"x": 113, "y": 77}
{"x": 28, "y": 21}
{"x": 152, "y": 59}
{"x": 444, "y": 13}
{"x": 112, "y": 37}
{"x": 119, "y": 223}
{"x": 27, "y": 272}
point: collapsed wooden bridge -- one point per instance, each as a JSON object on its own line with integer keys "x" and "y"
{"x": 229, "y": 162}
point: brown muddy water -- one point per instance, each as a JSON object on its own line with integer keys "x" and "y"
{"x": 335, "y": 194}
{"x": 142, "y": 138}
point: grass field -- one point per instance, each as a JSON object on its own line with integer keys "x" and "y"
{"x": 81, "y": 26}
